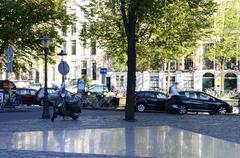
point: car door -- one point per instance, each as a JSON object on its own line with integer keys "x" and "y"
{"x": 208, "y": 102}
{"x": 32, "y": 99}
{"x": 151, "y": 100}
{"x": 23, "y": 93}
{"x": 161, "y": 101}
{"x": 192, "y": 101}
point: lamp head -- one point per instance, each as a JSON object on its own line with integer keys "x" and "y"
{"x": 45, "y": 40}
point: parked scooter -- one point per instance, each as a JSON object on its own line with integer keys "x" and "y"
{"x": 68, "y": 106}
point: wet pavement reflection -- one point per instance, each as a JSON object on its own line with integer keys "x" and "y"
{"x": 162, "y": 141}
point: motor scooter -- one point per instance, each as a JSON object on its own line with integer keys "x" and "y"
{"x": 67, "y": 107}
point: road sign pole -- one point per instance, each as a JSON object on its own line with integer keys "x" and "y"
{"x": 103, "y": 78}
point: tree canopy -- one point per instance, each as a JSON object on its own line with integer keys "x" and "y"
{"x": 225, "y": 37}
{"x": 24, "y": 22}
{"x": 163, "y": 29}
{"x": 144, "y": 29}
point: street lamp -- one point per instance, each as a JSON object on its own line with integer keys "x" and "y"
{"x": 45, "y": 114}
{"x": 62, "y": 53}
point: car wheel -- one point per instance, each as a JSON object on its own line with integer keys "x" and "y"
{"x": 74, "y": 117}
{"x": 141, "y": 107}
{"x": 182, "y": 110}
{"x": 222, "y": 110}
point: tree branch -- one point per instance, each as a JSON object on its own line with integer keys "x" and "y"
{"x": 125, "y": 20}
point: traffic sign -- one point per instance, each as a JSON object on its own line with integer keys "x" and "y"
{"x": 9, "y": 54}
{"x": 103, "y": 70}
{"x": 63, "y": 68}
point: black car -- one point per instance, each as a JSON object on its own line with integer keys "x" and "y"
{"x": 150, "y": 100}
{"x": 196, "y": 101}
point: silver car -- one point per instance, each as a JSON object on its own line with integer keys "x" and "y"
{"x": 53, "y": 95}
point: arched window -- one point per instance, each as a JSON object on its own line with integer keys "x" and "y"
{"x": 188, "y": 63}
{"x": 207, "y": 81}
{"x": 230, "y": 81}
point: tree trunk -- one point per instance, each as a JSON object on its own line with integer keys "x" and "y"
{"x": 168, "y": 79}
{"x": 222, "y": 78}
{"x": 130, "y": 27}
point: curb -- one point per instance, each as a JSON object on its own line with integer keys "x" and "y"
{"x": 102, "y": 109}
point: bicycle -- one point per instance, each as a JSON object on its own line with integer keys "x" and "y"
{"x": 100, "y": 101}
{"x": 9, "y": 101}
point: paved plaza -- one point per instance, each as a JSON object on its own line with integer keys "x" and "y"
{"x": 106, "y": 134}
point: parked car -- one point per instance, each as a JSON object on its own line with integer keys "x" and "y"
{"x": 7, "y": 89}
{"x": 72, "y": 89}
{"x": 26, "y": 96}
{"x": 97, "y": 89}
{"x": 150, "y": 100}
{"x": 196, "y": 101}
{"x": 53, "y": 96}
{"x": 6, "y": 85}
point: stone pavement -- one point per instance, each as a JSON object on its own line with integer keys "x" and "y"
{"x": 185, "y": 136}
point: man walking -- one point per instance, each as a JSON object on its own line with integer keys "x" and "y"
{"x": 173, "y": 91}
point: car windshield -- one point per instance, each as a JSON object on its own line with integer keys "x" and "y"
{"x": 52, "y": 91}
{"x": 204, "y": 96}
{"x": 161, "y": 96}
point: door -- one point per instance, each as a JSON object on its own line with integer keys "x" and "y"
{"x": 208, "y": 102}
{"x": 161, "y": 101}
{"x": 108, "y": 84}
{"x": 192, "y": 101}
{"x": 151, "y": 100}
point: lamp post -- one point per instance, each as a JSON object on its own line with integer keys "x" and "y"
{"x": 45, "y": 114}
{"x": 62, "y": 53}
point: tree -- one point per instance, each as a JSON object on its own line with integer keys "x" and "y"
{"x": 24, "y": 22}
{"x": 129, "y": 22}
{"x": 225, "y": 37}
{"x": 155, "y": 29}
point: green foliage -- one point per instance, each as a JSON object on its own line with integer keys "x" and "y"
{"x": 24, "y": 22}
{"x": 164, "y": 29}
{"x": 225, "y": 36}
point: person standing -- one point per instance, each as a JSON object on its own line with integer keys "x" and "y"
{"x": 173, "y": 91}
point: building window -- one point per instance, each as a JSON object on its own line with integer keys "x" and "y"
{"x": 188, "y": 63}
{"x": 154, "y": 82}
{"x": 231, "y": 65}
{"x": 120, "y": 80}
{"x": 208, "y": 81}
{"x": 207, "y": 63}
{"x": 230, "y": 81}
{"x": 73, "y": 47}
{"x": 64, "y": 31}
{"x": 172, "y": 80}
{"x": 64, "y": 46}
{"x": 172, "y": 65}
{"x": 94, "y": 71}
{"x": 73, "y": 29}
{"x": 188, "y": 82}
{"x": 93, "y": 48}
{"x": 84, "y": 68}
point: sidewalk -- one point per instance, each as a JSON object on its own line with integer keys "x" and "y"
{"x": 107, "y": 134}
